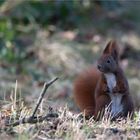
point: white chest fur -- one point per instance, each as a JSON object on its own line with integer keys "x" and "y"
{"x": 111, "y": 81}
{"x": 116, "y": 105}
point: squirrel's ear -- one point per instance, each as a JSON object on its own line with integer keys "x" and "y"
{"x": 112, "y": 48}
{"x": 107, "y": 48}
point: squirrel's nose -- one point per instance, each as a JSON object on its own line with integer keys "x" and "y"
{"x": 99, "y": 66}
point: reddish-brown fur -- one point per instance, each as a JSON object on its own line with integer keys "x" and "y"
{"x": 91, "y": 89}
{"x": 84, "y": 89}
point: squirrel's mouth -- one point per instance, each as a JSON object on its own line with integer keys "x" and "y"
{"x": 103, "y": 69}
{"x": 100, "y": 68}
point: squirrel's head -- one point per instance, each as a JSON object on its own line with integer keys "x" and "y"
{"x": 108, "y": 62}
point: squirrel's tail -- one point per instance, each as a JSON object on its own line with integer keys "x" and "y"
{"x": 84, "y": 89}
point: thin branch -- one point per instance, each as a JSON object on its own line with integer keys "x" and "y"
{"x": 46, "y": 85}
{"x": 33, "y": 120}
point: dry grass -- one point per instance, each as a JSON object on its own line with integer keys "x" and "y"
{"x": 67, "y": 125}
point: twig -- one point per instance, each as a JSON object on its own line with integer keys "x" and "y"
{"x": 33, "y": 120}
{"x": 46, "y": 85}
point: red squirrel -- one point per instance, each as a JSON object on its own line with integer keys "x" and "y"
{"x": 106, "y": 85}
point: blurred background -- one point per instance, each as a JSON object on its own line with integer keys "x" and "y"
{"x": 44, "y": 39}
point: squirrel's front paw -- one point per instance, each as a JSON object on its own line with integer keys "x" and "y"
{"x": 106, "y": 89}
{"x": 115, "y": 90}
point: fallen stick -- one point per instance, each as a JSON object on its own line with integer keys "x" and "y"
{"x": 33, "y": 120}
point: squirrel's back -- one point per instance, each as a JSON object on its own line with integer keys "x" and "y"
{"x": 84, "y": 89}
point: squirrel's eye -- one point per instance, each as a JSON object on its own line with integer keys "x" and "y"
{"x": 108, "y": 61}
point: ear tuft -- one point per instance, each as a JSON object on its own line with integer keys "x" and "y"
{"x": 106, "y": 50}
{"x": 112, "y": 49}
